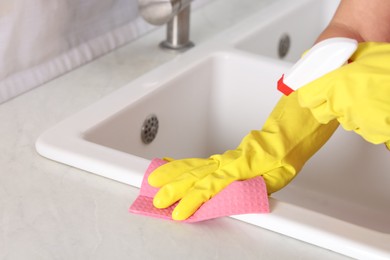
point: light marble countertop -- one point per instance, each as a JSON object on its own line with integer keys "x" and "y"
{"x": 53, "y": 211}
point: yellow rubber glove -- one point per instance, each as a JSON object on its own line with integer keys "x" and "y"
{"x": 357, "y": 94}
{"x": 289, "y": 137}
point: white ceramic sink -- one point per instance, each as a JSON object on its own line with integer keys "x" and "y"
{"x": 207, "y": 99}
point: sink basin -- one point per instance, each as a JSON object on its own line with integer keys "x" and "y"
{"x": 196, "y": 109}
{"x": 206, "y": 100}
{"x": 291, "y": 30}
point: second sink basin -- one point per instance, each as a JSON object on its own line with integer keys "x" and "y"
{"x": 288, "y": 33}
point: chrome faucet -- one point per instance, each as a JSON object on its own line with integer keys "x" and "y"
{"x": 176, "y": 13}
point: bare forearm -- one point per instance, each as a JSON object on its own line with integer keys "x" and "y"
{"x": 361, "y": 20}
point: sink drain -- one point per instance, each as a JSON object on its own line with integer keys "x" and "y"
{"x": 284, "y": 45}
{"x": 149, "y": 129}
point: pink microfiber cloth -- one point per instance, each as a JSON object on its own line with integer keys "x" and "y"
{"x": 240, "y": 197}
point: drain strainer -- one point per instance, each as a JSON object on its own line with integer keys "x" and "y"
{"x": 284, "y": 45}
{"x": 149, "y": 129}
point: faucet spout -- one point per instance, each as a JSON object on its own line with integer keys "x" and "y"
{"x": 174, "y": 13}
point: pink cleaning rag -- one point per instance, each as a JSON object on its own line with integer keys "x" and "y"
{"x": 240, "y": 197}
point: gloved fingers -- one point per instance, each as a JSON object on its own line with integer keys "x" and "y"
{"x": 363, "y": 49}
{"x": 188, "y": 205}
{"x": 320, "y": 95}
{"x": 173, "y": 192}
{"x": 175, "y": 189}
{"x": 172, "y": 170}
{"x": 366, "y": 49}
{"x": 375, "y": 130}
{"x": 372, "y": 135}
{"x": 388, "y": 145}
{"x": 202, "y": 191}
{"x": 315, "y": 93}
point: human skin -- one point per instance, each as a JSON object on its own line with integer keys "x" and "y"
{"x": 363, "y": 20}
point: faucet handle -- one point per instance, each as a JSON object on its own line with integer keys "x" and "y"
{"x": 159, "y": 12}
{"x": 176, "y": 13}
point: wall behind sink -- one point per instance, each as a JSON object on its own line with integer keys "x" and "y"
{"x": 42, "y": 39}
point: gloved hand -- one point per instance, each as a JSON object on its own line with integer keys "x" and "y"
{"x": 288, "y": 138}
{"x": 357, "y": 94}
